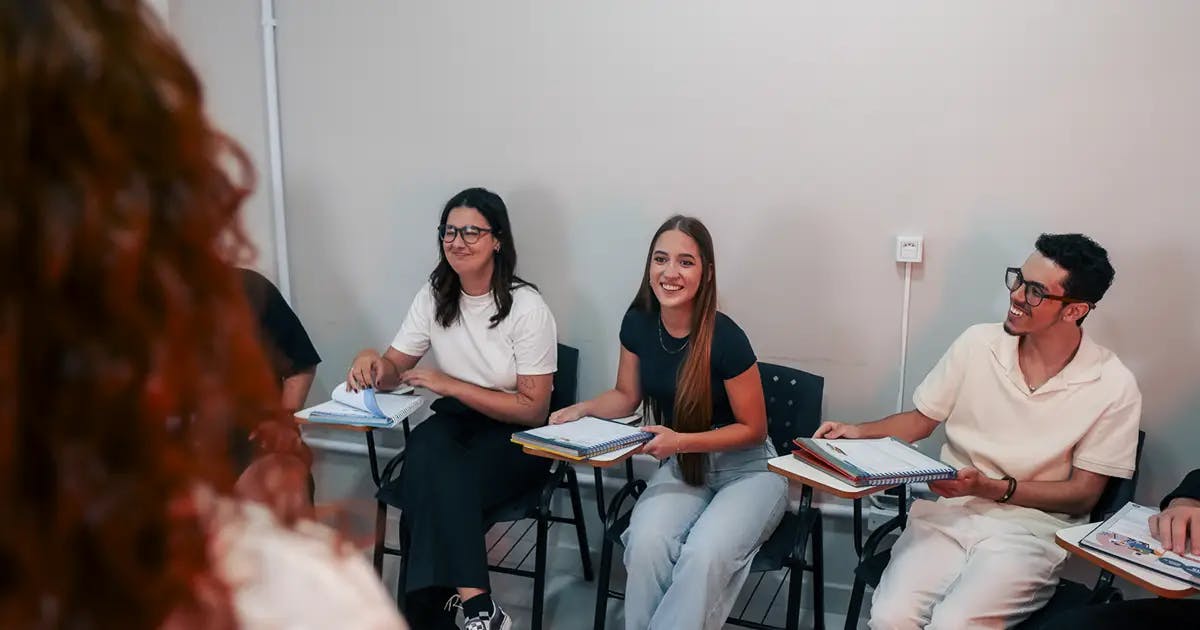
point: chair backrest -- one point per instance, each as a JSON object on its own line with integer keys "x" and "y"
{"x": 566, "y": 379}
{"x": 1118, "y": 492}
{"x": 793, "y": 400}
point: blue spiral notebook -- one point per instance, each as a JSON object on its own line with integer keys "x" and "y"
{"x": 583, "y": 438}
{"x": 872, "y": 462}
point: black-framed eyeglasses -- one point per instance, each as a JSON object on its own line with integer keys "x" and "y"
{"x": 470, "y": 233}
{"x": 1035, "y": 292}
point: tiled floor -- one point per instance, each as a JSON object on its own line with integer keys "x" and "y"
{"x": 343, "y": 484}
{"x": 570, "y": 600}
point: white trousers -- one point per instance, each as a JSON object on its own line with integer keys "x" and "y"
{"x": 955, "y": 569}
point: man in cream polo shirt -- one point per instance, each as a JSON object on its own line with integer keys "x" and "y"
{"x": 1038, "y": 417}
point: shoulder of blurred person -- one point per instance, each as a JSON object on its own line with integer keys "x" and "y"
{"x": 292, "y": 576}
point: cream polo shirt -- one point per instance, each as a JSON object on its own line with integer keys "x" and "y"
{"x": 1086, "y": 416}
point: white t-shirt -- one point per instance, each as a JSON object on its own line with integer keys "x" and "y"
{"x": 470, "y": 350}
{"x": 294, "y": 578}
{"x": 1086, "y": 416}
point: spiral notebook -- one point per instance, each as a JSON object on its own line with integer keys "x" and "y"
{"x": 1126, "y": 535}
{"x": 872, "y": 462}
{"x": 366, "y": 407}
{"x": 583, "y": 438}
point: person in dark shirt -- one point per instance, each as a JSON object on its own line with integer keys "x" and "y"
{"x": 294, "y": 360}
{"x": 1177, "y": 527}
{"x": 706, "y": 511}
{"x": 284, "y": 339}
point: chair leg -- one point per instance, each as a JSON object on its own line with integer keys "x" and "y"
{"x": 606, "y": 552}
{"x": 585, "y": 554}
{"x": 795, "y": 582}
{"x": 539, "y": 578}
{"x": 380, "y": 536}
{"x": 818, "y": 564}
{"x": 402, "y": 578}
{"x": 855, "y": 607}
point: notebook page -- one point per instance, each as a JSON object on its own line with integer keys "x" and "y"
{"x": 1134, "y": 522}
{"x": 356, "y": 399}
{"x": 882, "y": 456}
{"x": 336, "y": 408}
{"x": 584, "y": 432}
{"x": 367, "y": 399}
{"x": 1126, "y": 535}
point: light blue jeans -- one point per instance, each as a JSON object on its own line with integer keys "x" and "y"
{"x": 688, "y": 548}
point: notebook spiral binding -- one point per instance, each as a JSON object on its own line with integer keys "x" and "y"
{"x": 916, "y": 476}
{"x": 613, "y": 445}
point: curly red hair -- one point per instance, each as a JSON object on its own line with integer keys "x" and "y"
{"x": 127, "y": 350}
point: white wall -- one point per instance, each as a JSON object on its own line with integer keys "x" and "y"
{"x": 807, "y": 135}
{"x": 160, "y": 6}
{"x": 223, "y": 40}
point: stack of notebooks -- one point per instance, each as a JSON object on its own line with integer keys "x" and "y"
{"x": 366, "y": 407}
{"x": 584, "y": 438}
{"x": 871, "y": 462}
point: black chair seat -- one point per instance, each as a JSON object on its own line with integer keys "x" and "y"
{"x": 871, "y": 569}
{"x": 1067, "y": 595}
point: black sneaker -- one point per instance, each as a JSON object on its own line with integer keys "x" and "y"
{"x": 495, "y": 620}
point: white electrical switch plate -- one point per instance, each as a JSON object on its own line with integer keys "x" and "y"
{"x": 910, "y": 249}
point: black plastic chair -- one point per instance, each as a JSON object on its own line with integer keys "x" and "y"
{"x": 1117, "y": 492}
{"x": 533, "y": 505}
{"x": 793, "y": 402}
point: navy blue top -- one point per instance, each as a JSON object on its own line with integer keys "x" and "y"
{"x": 643, "y": 334}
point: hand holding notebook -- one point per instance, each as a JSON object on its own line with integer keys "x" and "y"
{"x": 871, "y": 462}
{"x": 583, "y": 438}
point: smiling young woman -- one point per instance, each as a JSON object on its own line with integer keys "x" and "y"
{"x": 694, "y": 370}
{"x": 495, "y": 343}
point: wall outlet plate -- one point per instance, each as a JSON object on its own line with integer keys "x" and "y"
{"x": 910, "y": 249}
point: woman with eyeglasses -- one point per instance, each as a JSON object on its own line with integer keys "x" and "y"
{"x": 705, "y": 513}
{"x": 495, "y": 343}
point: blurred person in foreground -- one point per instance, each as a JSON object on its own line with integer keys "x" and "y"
{"x": 128, "y": 353}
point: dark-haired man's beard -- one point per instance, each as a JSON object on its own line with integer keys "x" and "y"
{"x": 1016, "y": 333}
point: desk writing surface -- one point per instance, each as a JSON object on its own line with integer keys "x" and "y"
{"x": 1156, "y": 583}
{"x": 604, "y": 460}
{"x": 302, "y": 418}
{"x": 807, "y": 474}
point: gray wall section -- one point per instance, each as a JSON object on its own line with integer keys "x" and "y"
{"x": 807, "y": 136}
{"x": 223, "y": 40}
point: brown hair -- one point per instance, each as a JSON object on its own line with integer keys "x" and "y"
{"x": 447, "y": 287}
{"x": 127, "y": 350}
{"x": 693, "y": 385}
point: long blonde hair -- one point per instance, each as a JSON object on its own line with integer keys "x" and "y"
{"x": 693, "y": 384}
